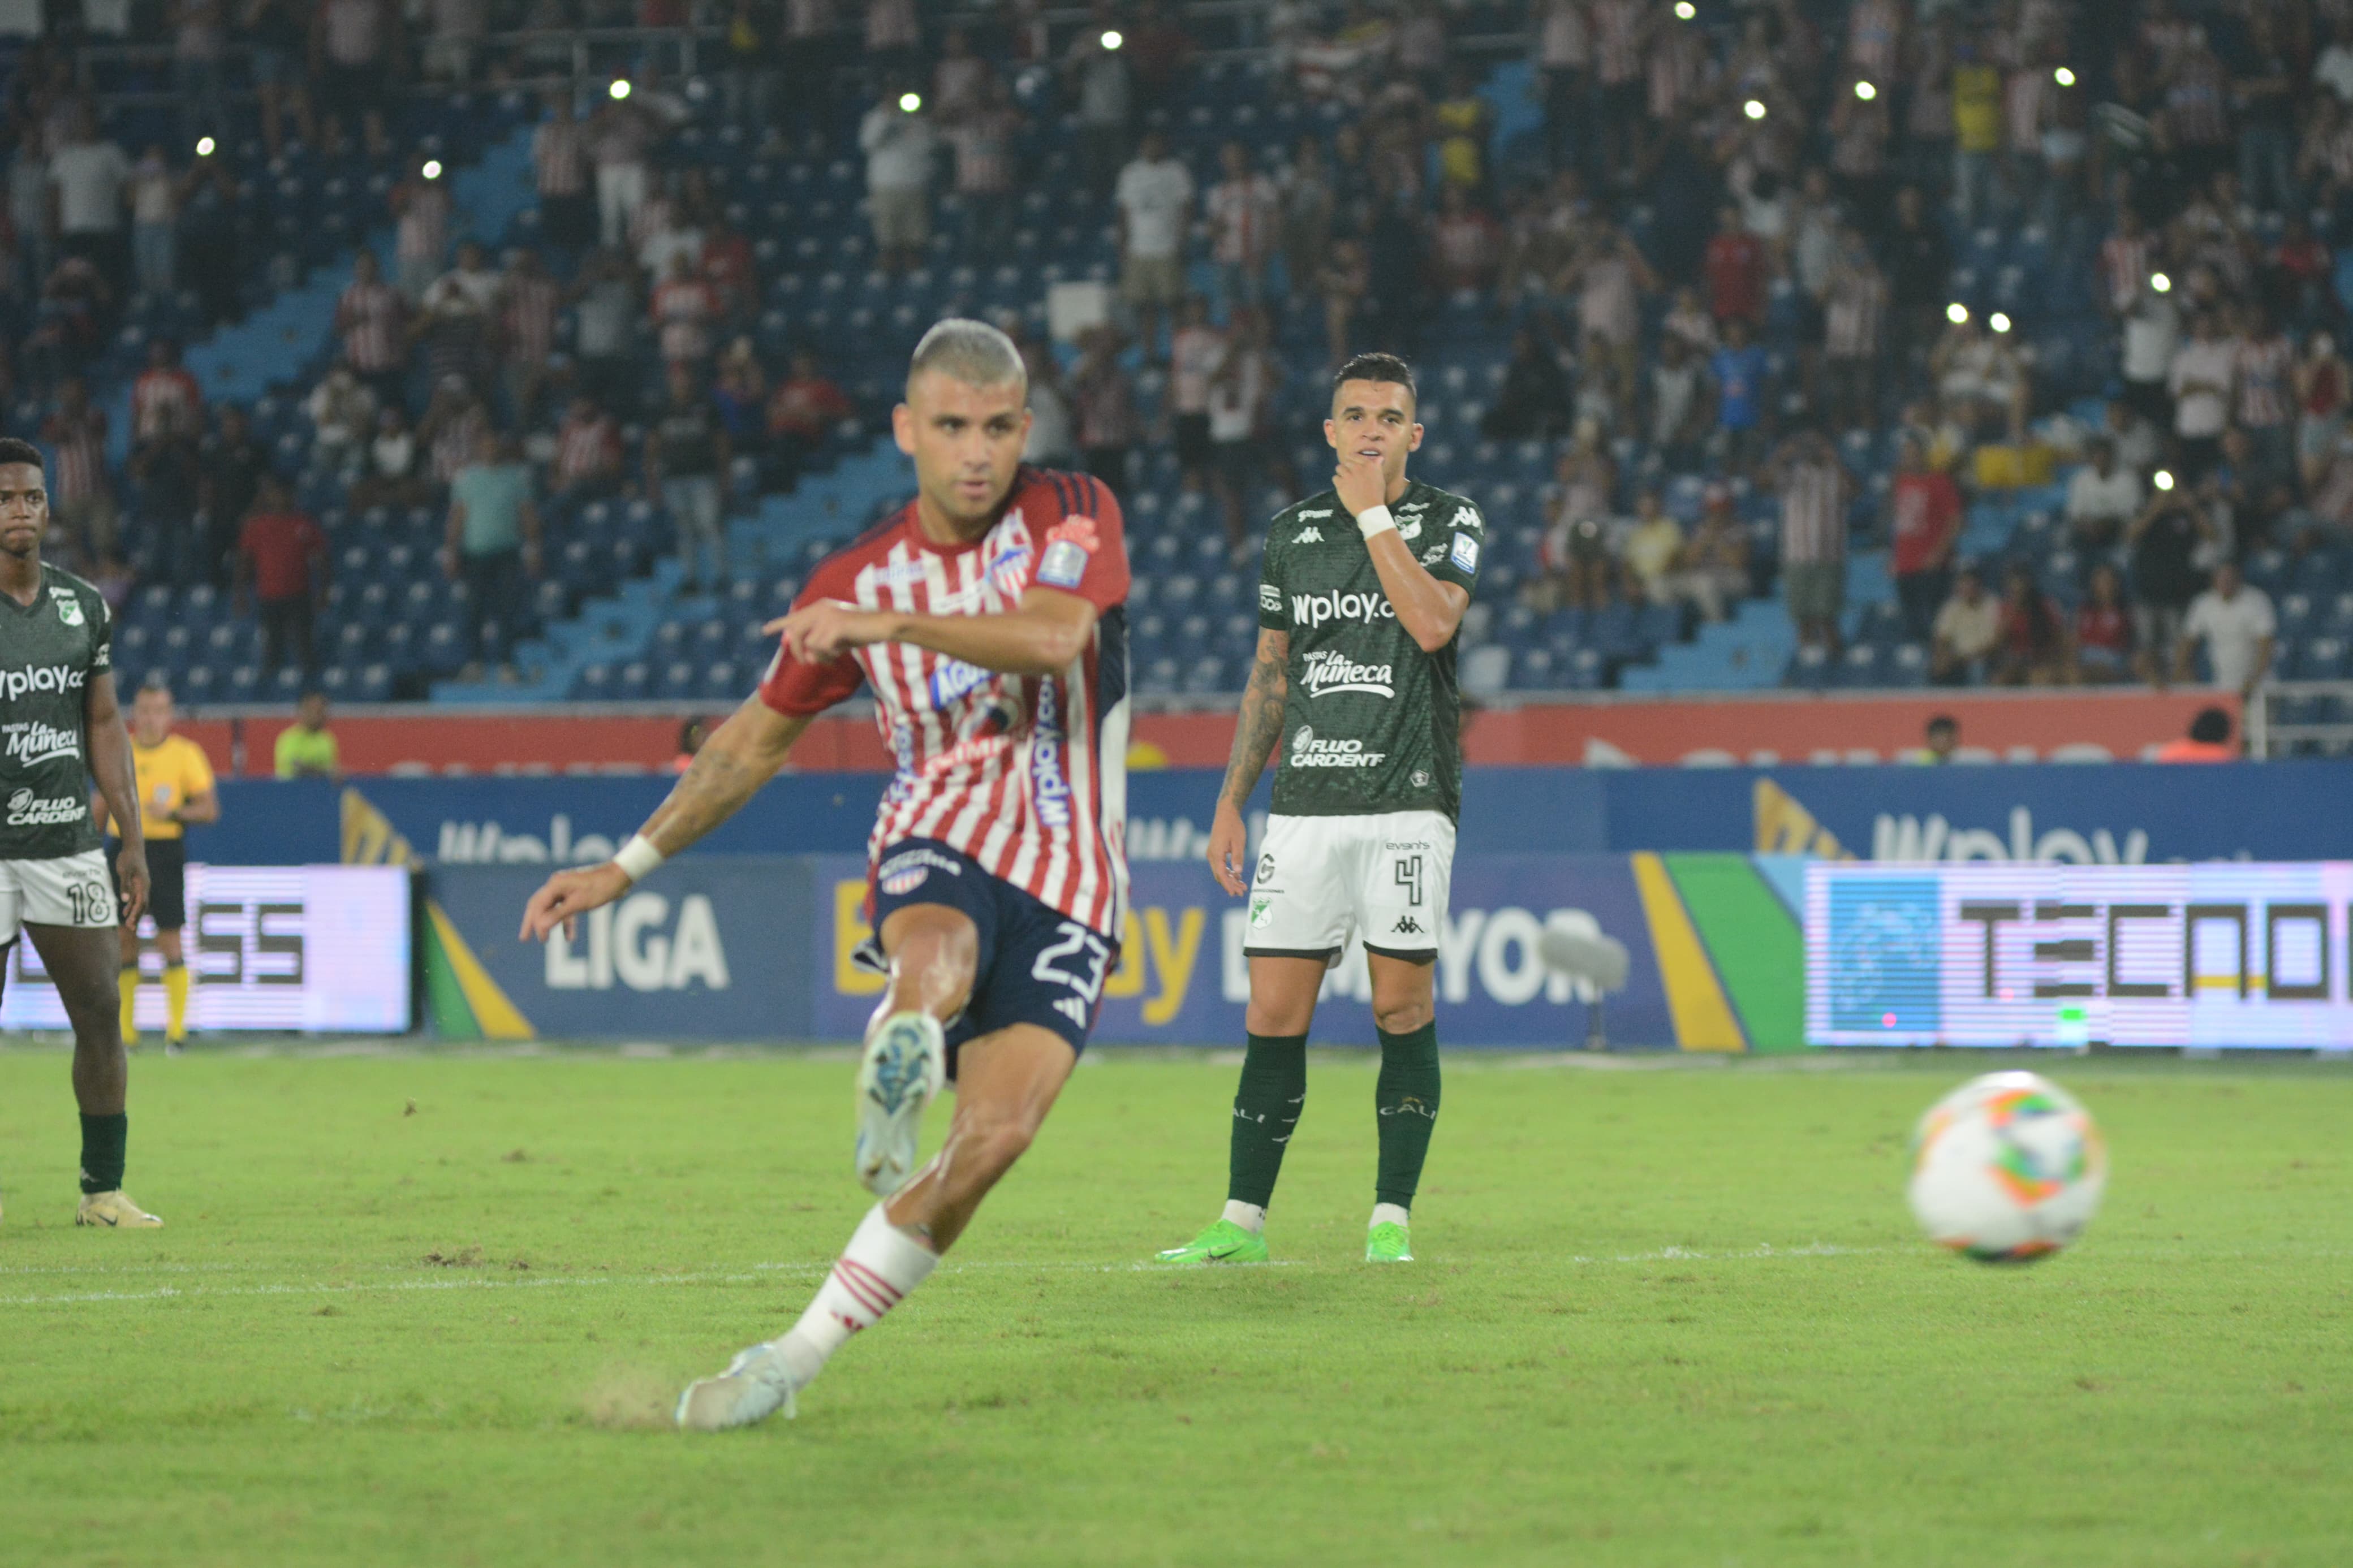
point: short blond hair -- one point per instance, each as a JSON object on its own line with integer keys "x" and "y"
{"x": 972, "y": 352}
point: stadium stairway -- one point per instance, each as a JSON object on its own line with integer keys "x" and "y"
{"x": 786, "y": 536}
{"x": 240, "y": 362}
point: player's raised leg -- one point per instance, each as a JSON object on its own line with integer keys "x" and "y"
{"x": 1405, "y": 1097}
{"x": 82, "y": 962}
{"x": 1007, "y": 1082}
{"x": 933, "y": 951}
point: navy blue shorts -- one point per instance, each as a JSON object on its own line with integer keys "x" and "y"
{"x": 1036, "y": 964}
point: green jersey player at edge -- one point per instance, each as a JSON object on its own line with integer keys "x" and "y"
{"x": 62, "y": 727}
{"x": 1353, "y": 696}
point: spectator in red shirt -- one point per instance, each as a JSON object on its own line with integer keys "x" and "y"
{"x": 1736, "y": 270}
{"x": 2101, "y": 651}
{"x": 587, "y": 452}
{"x": 1925, "y": 508}
{"x": 165, "y": 401}
{"x": 282, "y": 561}
{"x": 2033, "y": 648}
{"x": 806, "y": 407}
{"x": 729, "y": 270}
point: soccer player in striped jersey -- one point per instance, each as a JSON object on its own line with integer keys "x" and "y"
{"x": 987, "y": 615}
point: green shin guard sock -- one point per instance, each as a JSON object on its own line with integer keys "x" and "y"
{"x": 1266, "y": 1108}
{"x": 1407, "y": 1099}
{"x": 102, "y": 1139}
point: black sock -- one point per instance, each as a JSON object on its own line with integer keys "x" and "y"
{"x": 1407, "y": 1099}
{"x": 102, "y": 1138}
{"x": 1266, "y": 1108}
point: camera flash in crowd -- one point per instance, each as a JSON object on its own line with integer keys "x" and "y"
{"x": 1113, "y": 38}
{"x": 2160, "y": 282}
{"x": 620, "y": 89}
{"x": 1865, "y": 91}
{"x": 203, "y": 146}
{"x": 432, "y": 169}
{"x": 1754, "y": 108}
{"x": 2162, "y": 478}
{"x": 1997, "y": 321}
{"x": 2063, "y": 77}
{"x": 1685, "y": 10}
{"x": 1956, "y": 312}
{"x": 909, "y": 101}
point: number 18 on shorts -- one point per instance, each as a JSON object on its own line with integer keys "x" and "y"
{"x": 1319, "y": 879}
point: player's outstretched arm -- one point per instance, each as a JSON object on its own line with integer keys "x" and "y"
{"x": 740, "y": 757}
{"x": 110, "y": 764}
{"x": 1042, "y": 636}
{"x": 1256, "y": 729}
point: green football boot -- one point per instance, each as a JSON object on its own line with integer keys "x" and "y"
{"x": 1388, "y": 1244}
{"x": 1224, "y": 1242}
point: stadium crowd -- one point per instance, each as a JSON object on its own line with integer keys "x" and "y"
{"x": 1778, "y": 280}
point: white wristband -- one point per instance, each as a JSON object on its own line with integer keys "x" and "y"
{"x": 637, "y": 858}
{"x": 1375, "y": 520}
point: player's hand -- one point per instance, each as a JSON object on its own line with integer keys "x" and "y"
{"x": 1229, "y": 849}
{"x": 816, "y": 634}
{"x": 131, "y": 869}
{"x": 1360, "y": 483}
{"x": 567, "y": 895}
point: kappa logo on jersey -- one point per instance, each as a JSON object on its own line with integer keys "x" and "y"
{"x": 1269, "y": 598}
{"x": 1408, "y": 926}
{"x": 1330, "y": 670}
{"x": 1310, "y": 535}
{"x": 1312, "y": 610}
{"x": 1309, "y": 750}
{"x": 21, "y": 683}
{"x": 69, "y": 605}
{"x": 1047, "y": 784}
{"x": 25, "y": 810}
{"x": 907, "y": 871}
{"x": 32, "y": 741}
{"x": 1464, "y": 518}
{"x": 1466, "y": 552}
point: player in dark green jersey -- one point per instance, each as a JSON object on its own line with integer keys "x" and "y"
{"x": 1364, "y": 589}
{"x": 58, "y": 727}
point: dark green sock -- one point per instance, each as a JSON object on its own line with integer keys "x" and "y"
{"x": 1266, "y": 1108}
{"x": 1407, "y": 1099}
{"x": 102, "y": 1138}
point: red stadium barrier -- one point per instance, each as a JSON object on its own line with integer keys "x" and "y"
{"x": 2024, "y": 726}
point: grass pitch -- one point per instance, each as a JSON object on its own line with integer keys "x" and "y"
{"x": 433, "y": 1309}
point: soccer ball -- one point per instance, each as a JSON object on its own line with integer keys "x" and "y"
{"x": 2007, "y": 1168}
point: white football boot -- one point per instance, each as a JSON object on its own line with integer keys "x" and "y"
{"x": 756, "y": 1385}
{"x": 906, "y": 1067}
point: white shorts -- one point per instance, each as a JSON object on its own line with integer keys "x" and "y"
{"x": 1322, "y": 879}
{"x": 72, "y": 890}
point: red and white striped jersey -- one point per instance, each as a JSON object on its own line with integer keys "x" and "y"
{"x": 1025, "y": 775}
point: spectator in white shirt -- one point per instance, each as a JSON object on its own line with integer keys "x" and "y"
{"x": 2200, "y": 380}
{"x": 896, "y": 135}
{"x": 1156, "y": 200}
{"x": 2102, "y": 496}
{"x": 2234, "y": 620}
{"x": 88, "y": 176}
{"x": 1245, "y": 213}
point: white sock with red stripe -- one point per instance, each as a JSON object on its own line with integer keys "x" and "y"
{"x": 874, "y": 1273}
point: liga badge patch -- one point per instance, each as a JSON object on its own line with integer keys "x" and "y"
{"x": 1068, "y": 545}
{"x": 1466, "y": 552}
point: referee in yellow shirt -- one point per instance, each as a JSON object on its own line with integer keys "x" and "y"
{"x": 176, "y": 788}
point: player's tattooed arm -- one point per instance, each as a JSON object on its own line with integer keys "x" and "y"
{"x": 741, "y": 755}
{"x": 1259, "y": 724}
{"x": 1256, "y": 730}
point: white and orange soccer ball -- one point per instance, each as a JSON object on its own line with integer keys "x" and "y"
{"x": 2007, "y": 1169}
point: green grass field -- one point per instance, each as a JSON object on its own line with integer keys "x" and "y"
{"x": 423, "y": 1309}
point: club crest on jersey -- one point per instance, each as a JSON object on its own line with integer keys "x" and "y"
{"x": 1048, "y": 786}
{"x": 68, "y": 606}
{"x": 1409, "y": 530}
{"x": 908, "y": 869}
